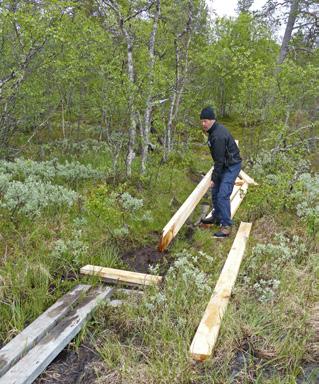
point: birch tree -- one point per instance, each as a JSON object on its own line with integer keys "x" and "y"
{"x": 145, "y": 130}
{"x": 181, "y": 44}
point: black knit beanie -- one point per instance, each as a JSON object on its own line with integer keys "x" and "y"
{"x": 208, "y": 114}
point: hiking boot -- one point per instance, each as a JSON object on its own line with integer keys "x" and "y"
{"x": 210, "y": 220}
{"x": 223, "y": 232}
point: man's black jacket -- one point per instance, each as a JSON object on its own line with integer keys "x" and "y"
{"x": 223, "y": 149}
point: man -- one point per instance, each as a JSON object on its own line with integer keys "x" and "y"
{"x": 227, "y": 165}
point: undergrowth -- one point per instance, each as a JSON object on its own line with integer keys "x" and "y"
{"x": 58, "y": 215}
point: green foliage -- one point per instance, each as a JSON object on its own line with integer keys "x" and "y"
{"x": 306, "y": 196}
{"x": 32, "y": 196}
{"x": 49, "y": 170}
{"x": 118, "y": 211}
{"x": 286, "y": 184}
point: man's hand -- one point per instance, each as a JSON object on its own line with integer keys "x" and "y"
{"x": 212, "y": 184}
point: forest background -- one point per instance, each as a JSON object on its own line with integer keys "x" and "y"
{"x": 100, "y": 143}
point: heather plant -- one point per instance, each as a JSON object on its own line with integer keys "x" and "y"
{"x": 266, "y": 289}
{"x": 71, "y": 249}
{"x": 306, "y": 196}
{"x": 32, "y": 196}
{"x": 119, "y": 211}
{"x": 130, "y": 203}
{"x": 270, "y": 259}
{"x": 273, "y": 163}
{"x": 184, "y": 275}
{"x": 48, "y": 170}
{"x": 72, "y": 147}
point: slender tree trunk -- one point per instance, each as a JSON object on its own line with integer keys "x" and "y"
{"x": 62, "y": 117}
{"x": 148, "y": 111}
{"x": 180, "y": 78}
{"x": 114, "y": 6}
{"x": 132, "y": 130}
{"x": 288, "y": 31}
{"x": 168, "y": 132}
{"x": 5, "y": 129}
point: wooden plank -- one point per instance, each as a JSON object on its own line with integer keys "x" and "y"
{"x": 239, "y": 181}
{"x": 247, "y": 178}
{"x": 120, "y": 276}
{"x": 26, "y": 370}
{"x": 238, "y": 198}
{"x": 174, "y": 225}
{"x": 208, "y": 329}
{"x": 23, "y": 342}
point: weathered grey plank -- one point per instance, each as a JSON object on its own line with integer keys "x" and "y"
{"x": 40, "y": 356}
{"x": 23, "y": 342}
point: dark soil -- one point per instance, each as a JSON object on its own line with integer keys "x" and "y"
{"x": 310, "y": 374}
{"x": 140, "y": 259}
{"x": 71, "y": 367}
{"x": 66, "y": 276}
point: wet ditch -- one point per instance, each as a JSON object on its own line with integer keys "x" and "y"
{"x": 74, "y": 367}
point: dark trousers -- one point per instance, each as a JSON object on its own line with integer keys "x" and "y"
{"x": 221, "y": 194}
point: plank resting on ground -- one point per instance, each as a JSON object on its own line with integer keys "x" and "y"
{"x": 174, "y": 225}
{"x": 247, "y": 178}
{"x": 208, "y": 329}
{"x": 25, "y": 340}
{"x": 29, "y": 367}
{"x": 120, "y": 276}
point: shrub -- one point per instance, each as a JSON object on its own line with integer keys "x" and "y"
{"x": 32, "y": 196}
{"x": 49, "y": 170}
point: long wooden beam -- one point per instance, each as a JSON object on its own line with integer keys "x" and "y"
{"x": 27, "y": 369}
{"x": 208, "y": 329}
{"x": 238, "y": 198}
{"x": 174, "y": 225}
{"x": 120, "y": 276}
{"x": 25, "y": 340}
{"x": 247, "y": 178}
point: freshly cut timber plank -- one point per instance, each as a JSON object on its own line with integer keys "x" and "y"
{"x": 29, "y": 367}
{"x": 208, "y": 329}
{"x": 238, "y": 198}
{"x": 120, "y": 276}
{"x": 23, "y": 342}
{"x": 174, "y": 225}
{"x": 239, "y": 181}
{"x": 247, "y": 178}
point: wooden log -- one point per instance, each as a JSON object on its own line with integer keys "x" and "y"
{"x": 120, "y": 276}
{"x": 174, "y": 225}
{"x": 247, "y": 178}
{"x": 208, "y": 329}
{"x": 238, "y": 198}
{"x": 29, "y": 367}
{"x": 23, "y": 342}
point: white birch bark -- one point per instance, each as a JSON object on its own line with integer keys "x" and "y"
{"x": 129, "y": 40}
{"x": 145, "y": 133}
{"x": 180, "y": 78}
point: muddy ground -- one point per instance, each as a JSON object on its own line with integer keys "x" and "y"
{"x": 140, "y": 259}
{"x": 71, "y": 367}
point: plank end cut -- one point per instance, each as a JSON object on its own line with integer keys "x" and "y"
{"x": 121, "y": 276}
{"x": 165, "y": 240}
{"x": 208, "y": 329}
